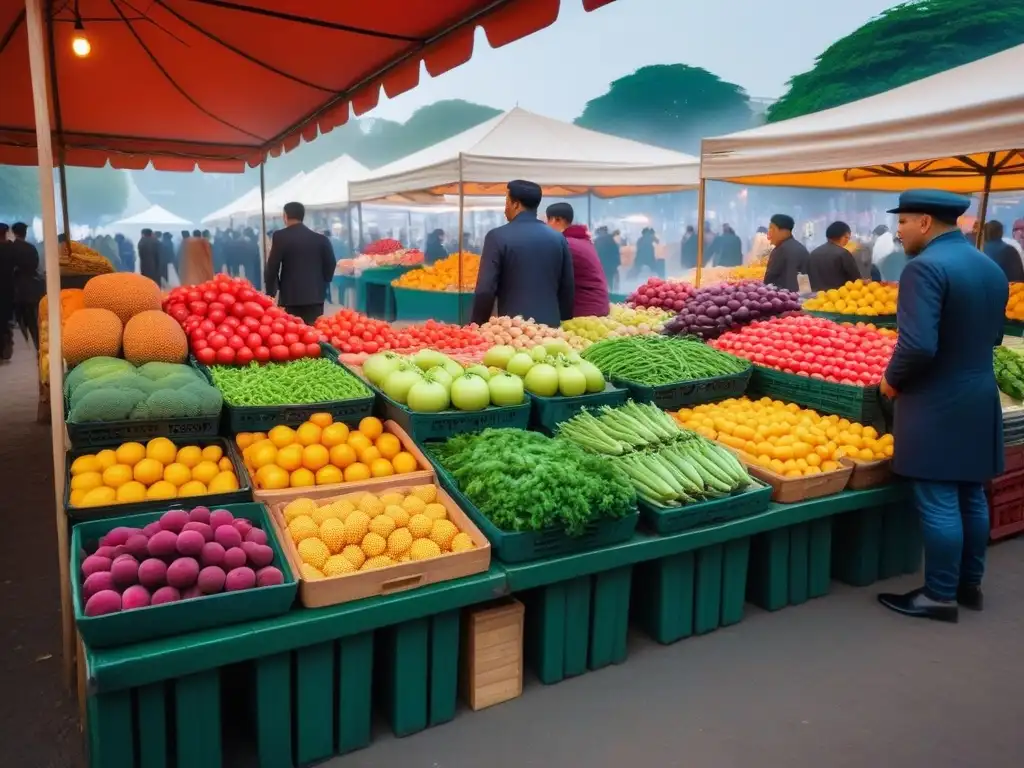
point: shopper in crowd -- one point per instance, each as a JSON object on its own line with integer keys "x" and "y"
{"x": 6, "y": 294}
{"x": 726, "y": 250}
{"x": 760, "y": 246}
{"x": 1018, "y": 234}
{"x": 28, "y": 283}
{"x": 831, "y": 265}
{"x": 434, "y": 250}
{"x": 950, "y": 314}
{"x": 149, "y": 255}
{"x": 645, "y": 255}
{"x": 181, "y": 253}
{"x": 591, "y": 296}
{"x": 525, "y": 267}
{"x": 883, "y": 244}
{"x": 196, "y": 260}
{"x": 1002, "y": 254}
{"x": 1011, "y": 240}
{"x": 788, "y": 258}
{"x": 167, "y": 258}
{"x": 125, "y": 252}
{"x": 300, "y": 266}
{"x": 609, "y": 254}
{"x": 688, "y": 249}
{"x": 250, "y": 257}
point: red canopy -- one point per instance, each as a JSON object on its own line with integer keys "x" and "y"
{"x": 221, "y": 83}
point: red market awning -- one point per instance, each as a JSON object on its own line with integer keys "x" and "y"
{"x": 218, "y": 84}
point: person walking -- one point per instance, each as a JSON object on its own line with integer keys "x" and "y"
{"x": 300, "y": 266}
{"x": 832, "y": 265}
{"x": 727, "y": 249}
{"x": 591, "y": 296}
{"x": 167, "y": 258}
{"x": 1002, "y": 254}
{"x": 645, "y": 255}
{"x": 196, "y": 259}
{"x": 688, "y": 249}
{"x": 249, "y": 252}
{"x": 125, "y": 253}
{"x": 788, "y": 258}
{"x": 6, "y": 295}
{"x": 149, "y": 256}
{"x": 28, "y": 283}
{"x": 950, "y": 315}
{"x": 434, "y": 250}
{"x": 611, "y": 259}
{"x": 525, "y": 267}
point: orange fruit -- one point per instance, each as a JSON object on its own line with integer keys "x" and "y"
{"x": 388, "y": 445}
{"x": 161, "y": 449}
{"x": 329, "y": 475}
{"x": 224, "y": 481}
{"x": 130, "y": 453}
{"x": 243, "y": 440}
{"x": 381, "y": 468}
{"x": 282, "y": 435}
{"x": 257, "y": 436}
{"x": 404, "y": 462}
{"x": 148, "y": 471}
{"x": 308, "y": 433}
{"x": 192, "y": 488}
{"x": 315, "y": 456}
{"x": 190, "y": 455}
{"x": 225, "y": 465}
{"x": 290, "y": 457}
{"x": 271, "y": 477}
{"x": 357, "y": 471}
{"x": 359, "y": 441}
{"x": 369, "y": 455}
{"x": 322, "y": 420}
{"x": 177, "y": 474}
{"x": 371, "y": 426}
{"x": 212, "y": 453}
{"x": 302, "y": 478}
{"x": 263, "y": 454}
{"x": 334, "y": 434}
{"x": 343, "y": 455}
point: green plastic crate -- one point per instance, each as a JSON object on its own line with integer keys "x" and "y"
{"x": 1013, "y": 328}
{"x": 618, "y": 298}
{"x": 240, "y": 418}
{"x": 752, "y": 500}
{"x": 184, "y": 616}
{"x": 442, "y": 425}
{"x": 241, "y": 495}
{"x": 860, "y": 404}
{"x": 548, "y": 412}
{"x": 104, "y": 434}
{"x": 876, "y": 543}
{"x": 683, "y": 393}
{"x": 378, "y": 296}
{"x": 413, "y": 305}
{"x": 522, "y": 546}
{"x": 789, "y": 566}
{"x": 882, "y": 321}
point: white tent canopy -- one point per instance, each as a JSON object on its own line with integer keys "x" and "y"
{"x": 565, "y": 159}
{"x": 327, "y": 185}
{"x": 235, "y": 207}
{"x": 154, "y": 216}
{"x": 950, "y": 130}
{"x": 248, "y": 205}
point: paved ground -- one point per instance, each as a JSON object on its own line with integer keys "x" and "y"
{"x": 837, "y": 682}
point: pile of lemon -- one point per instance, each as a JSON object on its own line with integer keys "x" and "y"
{"x": 322, "y": 451}
{"x": 1015, "y": 303}
{"x": 157, "y": 470}
{"x": 783, "y": 437}
{"x": 363, "y": 531}
{"x": 857, "y": 297}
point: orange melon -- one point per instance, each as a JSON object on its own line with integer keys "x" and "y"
{"x": 154, "y": 336}
{"x": 91, "y": 333}
{"x": 123, "y": 293}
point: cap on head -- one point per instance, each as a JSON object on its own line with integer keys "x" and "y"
{"x": 526, "y": 193}
{"x": 783, "y": 221}
{"x": 944, "y": 206}
{"x": 561, "y": 211}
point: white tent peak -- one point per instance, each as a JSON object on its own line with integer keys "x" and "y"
{"x": 155, "y": 215}
{"x": 326, "y": 186}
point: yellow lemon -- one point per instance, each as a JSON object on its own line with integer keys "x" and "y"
{"x": 322, "y": 420}
{"x": 190, "y": 455}
{"x": 87, "y": 463}
{"x": 162, "y": 450}
{"x": 86, "y": 481}
{"x": 213, "y": 453}
{"x": 281, "y": 435}
{"x": 315, "y": 456}
{"x": 75, "y": 498}
{"x": 205, "y": 471}
{"x": 106, "y": 458}
{"x": 223, "y": 482}
{"x": 99, "y": 497}
{"x": 161, "y": 489}
{"x": 117, "y": 475}
{"x": 308, "y": 433}
{"x": 271, "y": 477}
{"x": 177, "y": 474}
{"x": 148, "y": 471}
{"x": 333, "y": 434}
{"x": 329, "y": 475}
{"x": 263, "y": 454}
{"x": 225, "y": 464}
{"x": 130, "y": 453}
{"x": 131, "y": 491}
{"x": 192, "y": 488}
{"x": 302, "y": 478}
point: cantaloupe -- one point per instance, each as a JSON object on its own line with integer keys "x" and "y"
{"x": 123, "y": 293}
{"x": 153, "y": 336}
{"x": 91, "y": 333}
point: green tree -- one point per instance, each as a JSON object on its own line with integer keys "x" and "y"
{"x": 669, "y": 105}
{"x": 95, "y": 193}
{"x": 905, "y": 43}
{"x": 19, "y": 191}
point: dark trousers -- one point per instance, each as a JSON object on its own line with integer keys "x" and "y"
{"x": 308, "y": 312}
{"x": 955, "y": 523}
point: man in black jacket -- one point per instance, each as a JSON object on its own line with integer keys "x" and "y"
{"x": 300, "y": 267}
{"x": 788, "y": 258}
{"x": 831, "y": 265}
{"x": 6, "y": 295}
{"x": 28, "y": 283}
{"x": 149, "y": 256}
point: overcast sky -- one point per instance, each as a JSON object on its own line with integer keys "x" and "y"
{"x": 555, "y": 72}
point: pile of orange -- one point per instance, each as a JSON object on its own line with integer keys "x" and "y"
{"x": 783, "y": 437}
{"x": 1015, "y": 303}
{"x": 443, "y": 275}
{"x": 857, "y": 297}
{"x": 323, "y": 452}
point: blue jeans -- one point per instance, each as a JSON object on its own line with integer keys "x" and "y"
{"x": 955, "y": 525}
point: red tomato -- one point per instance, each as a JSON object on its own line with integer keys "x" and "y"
{"x": 279, "y": 353}
{"x": 253, "y": 340}
{"x": 200, "y": 308}
{"x": 312, "y": 350}
{"x": 209, "y": 296}
{"x": 275, "y": 340}
{"x": 369, "y": 347}
{"x": 262, "y": 354}
{"x": 310, "y": 337}
{"x": 278, "y": 327}
{"x": 225, "y": 356}
{"x": 291, "y": 338}
{"x": 208, "y": 326}
{"x": 216, "y": 315}
{"x": 246, "y": 294}
{"x": 197, "y": 334}
{"x": 236, "y": 342}
{"x": 199, "y": 344}
{"x": 244, "y": 356}
{"x": 193, "y": 295}
{"x": 227, "y": 299}
{"x": 251, "y": 323}
{"x": 296, "y": 350}
{"x": 232, "y": 322}
{"x": 206, "y": 356}
{"x": 217, "y": 340}
{"x": 264, "y": 332}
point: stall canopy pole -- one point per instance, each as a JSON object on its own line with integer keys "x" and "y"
{"x": 359, "y": 240}
{"x": 263, "y": 225}
{"x": 990, "y": 170}
{"x": 351, "y": 234}
{"x": 58, "y": 127}
{"x": 44, "y": 149}
{"x": 590, "y": 219}
{"x": 700, "y": 230}
{"x": 462, "y": 213}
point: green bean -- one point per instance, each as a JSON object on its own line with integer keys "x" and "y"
{"x": 656, "y": 360}
{"x": 299, "y": 382}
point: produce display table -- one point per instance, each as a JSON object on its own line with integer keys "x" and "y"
{"x": 414, "y": 305}
{"x": 373, "y": 287}
{"x": 344, "y": 293}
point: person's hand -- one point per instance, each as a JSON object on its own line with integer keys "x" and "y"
{"x": 886, "y": 389}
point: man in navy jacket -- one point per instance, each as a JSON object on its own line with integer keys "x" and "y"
{"x": 525, "y": 266}
{"x": 948, "y": 425}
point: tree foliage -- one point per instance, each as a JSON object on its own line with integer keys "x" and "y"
{"x": 19, "y": 192}
{"x": 669, "y": 105}
{"x": 905, "y": 43}
{"x": 93, "y": 193}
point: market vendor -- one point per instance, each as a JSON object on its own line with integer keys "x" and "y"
{"x": 948, "y": 427}
{"x": 788, "y": 258}
{"x": 831, "y": 265}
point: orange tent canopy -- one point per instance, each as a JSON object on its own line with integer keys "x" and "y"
{"x": 219, "y": 83}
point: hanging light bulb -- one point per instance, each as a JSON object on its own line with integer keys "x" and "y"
{"x": 80, "y": 44}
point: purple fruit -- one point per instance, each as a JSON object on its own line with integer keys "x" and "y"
{"x": 165, "y": 595}
{"x": 202, "y": 528}
{"x": 120, "y": 550}
{"x": 211, "y": 580}
{"x": 152, "y": 529}
{"x": 240, "y": 578}
{"x": 174, "y": 520}
{"x": 227, "y": 536}
{"x": 259, "y": 555}
{"x": 200, "y": 515}
{"x": 241, "y": 525}
{"x": 135, "y": 597}
{"x": 269, "y": 577}
{"x": 94, "y": 564}
{"x": 193, "y": 591}
{"x": 118, "y": 535}
{"x": 137, "y": 546}
{"x": 153, "y": 573}
{"x": 97, "y": 582}
{"x": 234, "y": 558}
{"x": 212, "y": 554}
{"x": 164, "y": 544}
{"x": 182, "y": 573}
{"x": 190, "y": 543}
{"x": 256, "y": 536}
{"x": 103, "y": 602}
{"x": 104, "y": 552}
{"x": 125, "y": 571}
{"x": 220, "y": 517}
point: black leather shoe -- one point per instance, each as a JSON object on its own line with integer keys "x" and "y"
{"x": 970, "y": 597}
{"x": 920, "y": 606}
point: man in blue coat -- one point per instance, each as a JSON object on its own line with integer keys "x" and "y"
{"x": 948, "y": 426}
{"x": 525, "y": 265}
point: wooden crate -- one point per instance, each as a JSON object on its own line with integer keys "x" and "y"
{"x": 868, "y": 474}
{"x": 492, "y": 653}
{"x": 787, "y": 490}
{"x": 384, "y": 581}
{"x": 419, "y": 477}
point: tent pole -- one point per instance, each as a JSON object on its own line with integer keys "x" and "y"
{"x": 351, "y": 234}
{"x": 34, "y": 25}
{"x": 263, "y": 224}
{"x": 701, "y": 202}
{"x": 979, "y": 241}
{"x": 462, "y": 212}
{"x": 58, "y": 127}
{"x": 359, "y": 240}
{"x": 590, "y": 218}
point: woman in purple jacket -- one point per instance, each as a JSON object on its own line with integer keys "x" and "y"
{"x": 591, "y": 297}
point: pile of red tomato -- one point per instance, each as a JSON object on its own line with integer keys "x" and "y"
{"x": 353, "y": 333}
{"x": 228, "y": 322}
{"x": 814, "y": 347}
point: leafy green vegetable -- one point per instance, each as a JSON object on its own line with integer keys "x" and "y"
{"x": 1009, "y": 370}
{"x": 525, "y": 481}
{"x": 657, "y": 360}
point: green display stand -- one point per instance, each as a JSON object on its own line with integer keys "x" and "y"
{"x": 376, "y": 295}
{"x": 412, "y": 305}
{"x": 876, "y": 543}
{"x": 879, "y": 321}
{"x": 344, "y": 292}
{"x": 790, "y": 565}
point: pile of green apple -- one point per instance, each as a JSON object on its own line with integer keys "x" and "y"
{"x": 429, "y": 382}
{"x": 548, "y": 369}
